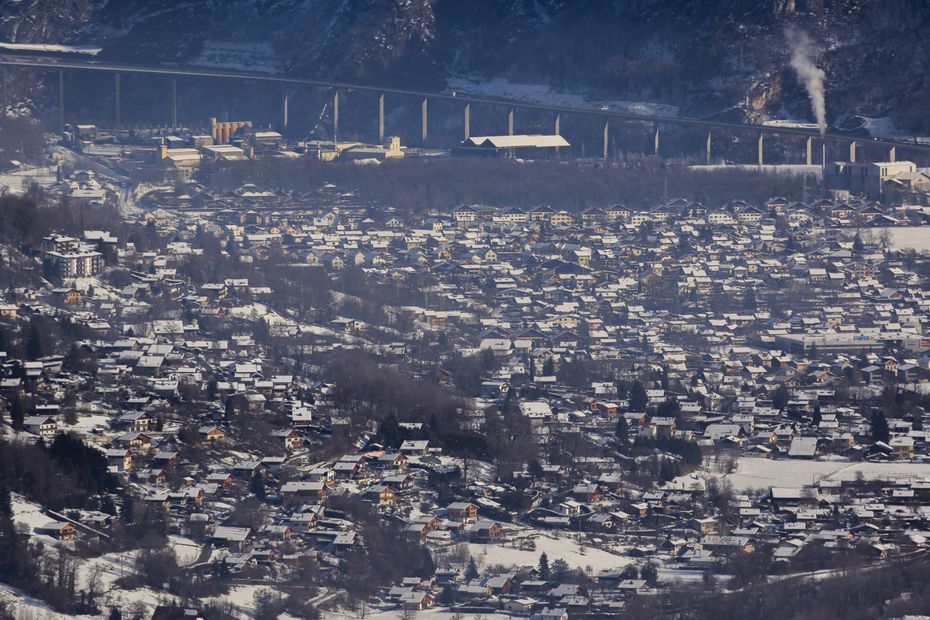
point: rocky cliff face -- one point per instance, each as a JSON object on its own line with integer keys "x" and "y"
{"x": 709, "y": 57}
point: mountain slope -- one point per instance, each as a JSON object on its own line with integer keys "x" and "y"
{"x": 709, "y": 57}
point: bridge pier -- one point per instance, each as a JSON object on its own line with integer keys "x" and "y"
{"x": 556, "y": 129}
{"x": 381, "y": 118}
{"x": 891, "y": 154}
{"x": 423, "y": 120}
{"x": 116, "y": 101}
{"x": 61, "y": 101}
{"x": 606, "y": 136}
{"x": 174, "y": 102}
{"x": 284, "y": 107}
{"x": 510, "y": 122}
{"x": 810, "y": 150}
{"x": 761, "y": 143}
{"x": 467, "y": 121}
{"x": 852, "y": 152}
{"x": 336, "y": 118}
{"x": 655, "y": 142}
{"x": 708, "y": 146}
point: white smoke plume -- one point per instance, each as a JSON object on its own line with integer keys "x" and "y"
{"x": 803, "y": 53}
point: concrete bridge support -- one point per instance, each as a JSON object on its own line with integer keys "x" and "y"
{"x": 708, "y": 146}
{"x": 606, "y": 137}
{"x": 761, "y": 144}
{"x": 891, "y": 154}
{"x": 556, "y": 129}
{"x": 335, "y": 118}
{"x": 467, "y": 121}
{"x": 655, "y": 140}
{"x": 510, "y": 122}
{"x": 174, "y": 102}
{"x": 810, "y": 151}
{"x": 852, "y": 151}
{"x": 61, "y": 101}
{"x": 381, "y": 118}
{"x": 117, "y": 102}
{"x": 423, "y": 119}
{"x": 284, "y": 95}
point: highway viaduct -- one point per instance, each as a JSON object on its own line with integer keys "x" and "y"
{"x": 892, "y": 148}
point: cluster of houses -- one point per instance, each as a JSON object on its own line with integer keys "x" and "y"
{"x": 755, "y": 331}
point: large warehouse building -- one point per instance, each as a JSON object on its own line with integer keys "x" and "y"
{"x": 851, "y": 342}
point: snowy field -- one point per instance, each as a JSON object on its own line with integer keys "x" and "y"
{"x": 17, "y": 181}
{"x": 576, "y": 554}
{"x": 759, "y": 473}
{"x": 904, "y": 238}
{"x": 541, "y": 93}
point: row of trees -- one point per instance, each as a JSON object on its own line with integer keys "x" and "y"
{"x": 417, "y": 185}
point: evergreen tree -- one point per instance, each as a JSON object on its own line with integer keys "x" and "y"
{"x": 649, "y": 573}
{"x": 623, "y": 431}
{"x": 115, "y": 614}
{"x": 13, "y": 557}
{"x": 257, "y": 485}
{"x": 34, "y": 348}
{"x": 17, "y": 414}
{"x": 780, "y": 397}
{"x": 391, "y": 433}
{"x": 560, "y": 569}
{"x": 543, "y": 568}
{"x": 548, "y": 367}
{"x": 879, "y": 427}
{"x": 446, "y": 596}
{"x": 858, "y": 245}
{"x": 817, "y": 418}
{"x": 638, "y": 398}
{"x": 471, "y": 572}
{"x": 127, "y": 510}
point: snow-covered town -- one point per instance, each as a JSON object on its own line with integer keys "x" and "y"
{"x": 396, "y": 309}
{"x": 259, "y": 401}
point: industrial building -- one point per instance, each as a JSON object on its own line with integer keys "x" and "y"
{"x": 865, "y": 178}
{"x": 529, "y": 146}
{"x": 865, "y": 339}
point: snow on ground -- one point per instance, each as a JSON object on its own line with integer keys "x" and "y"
{"x": 790, "y": 169}
{"x": 87, "y": 422}
{"x": 426, "y": 614}
{"x": 885, "y": 127}
{"x": 541, "y": 93}
{"x": 760, "y": 473}
{"x": 28, "y": 608}
{"x": 259, "y": 311}
{"x": 244, "y": 56}
{"x": 50, "y": 47}
{"x": 242, "y": 597}
{"x": 28, "y": 514}
{"x": 17, "y": 181}
{"x": 556, "y": 547}
{"x": 185, "y": 549}
{"x": 901, "y": 238}
{"x": 103, "y": 571}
